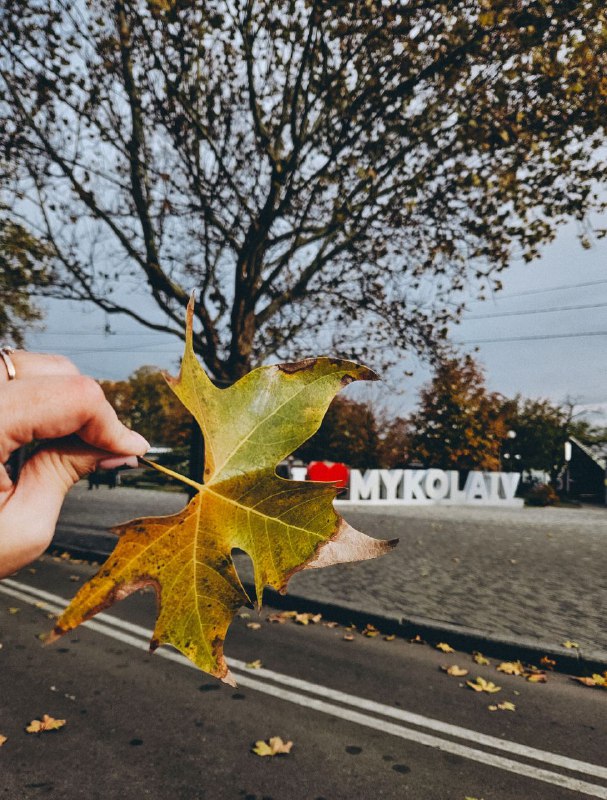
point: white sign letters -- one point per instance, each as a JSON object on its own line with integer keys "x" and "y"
{"x": 434, "y": 486}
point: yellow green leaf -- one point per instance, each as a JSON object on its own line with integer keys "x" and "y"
{"x": 284, "y": 526}
{"x": 479, "y": 658}
{"x": 47, "y": 723}
{"x": 505, "y": 706}
{"x": 254, "y": 664}
{"x": 273, "y": 747}
{"x": 2, "y": 739}
{"x": 481, "y": 685}
{"x": 445, "y": 648}
{"x": 511, "y": 668}
{"x": 455, "y": 671}
{"x": 570, "y": 645}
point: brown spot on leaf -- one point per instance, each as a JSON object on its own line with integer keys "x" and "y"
{"x": 298, "y": 366}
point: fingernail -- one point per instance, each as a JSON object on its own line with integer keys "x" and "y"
{"x": 140, "y": 445}
{"x": 119, "y": 461}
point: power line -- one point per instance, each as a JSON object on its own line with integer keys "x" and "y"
{"x": 549, "y": 289}
{"x": 103, "y": 333}
{"x": 536, "y": 311}
{"x": 534, "y": 338}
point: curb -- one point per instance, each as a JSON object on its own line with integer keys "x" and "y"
{"x": 496, "y": 645}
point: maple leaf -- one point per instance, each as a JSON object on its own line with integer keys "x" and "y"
{"x": 273, "y": 747}
{"x": 505, "y": 706}
{"x": 511, "y": 668}
{"x": 595, "y": 680}
{"x": 481, "y": 685}
{"x": 536, "y": 677}
{"x": 47, "y": 723}
{"x": 284, "y": 526}
{"x": 455, "y": 671}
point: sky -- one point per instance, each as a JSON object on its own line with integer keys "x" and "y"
{"x": 529, "y": 338}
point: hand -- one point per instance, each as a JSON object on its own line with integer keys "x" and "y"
{"x": 49, "y": 400}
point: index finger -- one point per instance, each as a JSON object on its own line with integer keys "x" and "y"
{"x": 58, "y": 406}
{"x": 33, "y": 365}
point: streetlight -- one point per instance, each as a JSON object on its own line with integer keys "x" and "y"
{"x": 568, "y": 454}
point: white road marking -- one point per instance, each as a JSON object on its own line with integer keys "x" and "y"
{"x": 138, "y": 637}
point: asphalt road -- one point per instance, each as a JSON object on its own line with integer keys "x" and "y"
{"x": 530, "y": 572}
{"x": 368, "y": 718}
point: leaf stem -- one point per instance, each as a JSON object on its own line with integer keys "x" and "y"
{"x": 170, "y": 473}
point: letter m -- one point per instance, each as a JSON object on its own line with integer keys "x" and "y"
{"x": 364, "y": 487}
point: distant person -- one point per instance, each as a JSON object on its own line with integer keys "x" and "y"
{"x": 94, "y": 479}
{"x": 44, "y": 397}
{"x": 112, "y": 478}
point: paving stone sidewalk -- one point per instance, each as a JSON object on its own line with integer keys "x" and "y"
{"x": 507, "y": 572}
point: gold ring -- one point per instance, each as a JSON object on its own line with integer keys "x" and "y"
{"x": 5, "y": 353}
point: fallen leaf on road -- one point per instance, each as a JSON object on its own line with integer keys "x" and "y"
{"x": 244, "y": 615}
{"x": 417, "y": 639}
{"x": 479, "y": 658}
{"x": 254, "y": 664}
{"x": 74, "y": 578}
{"x": 348, "y": 637}
{"x": 47, "y": 723}
{"x": 536, "y": 677}
{"x": 65, "y": 556}
{"x": 505, "y": 706}
{"x": 390, "y": 638}
{"x": 547, "y": 662}
{"x": 481, "y": 685}
{"x": 570, "y": 645}
{"x": 595, "y": 680}
{"x": 2, "y": 739}
{"x": 511, "y": 668}
{"x": 13, "y": 610}
{"x": 39, "y": 604}
{"x": 307, "y": 619}
{"x": 281, "y": 617}
{"x": 370, "y": 631}
{"x": 32, "y": 570}
{"x": 331, "y": 624}
{"x": 285, "y": 526}
{"x": 273, "y": 747}
{"x": 445, "y": 648}
{"x": 254, "y": 626}
{"x": 455, "y": 671}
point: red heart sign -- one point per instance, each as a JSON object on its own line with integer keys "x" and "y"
{"x": 329, "y": 471}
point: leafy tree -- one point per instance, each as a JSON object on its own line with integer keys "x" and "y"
{"x": 542, "y": 428}
{"x": 23, "y": 269}
{"x": 395, "y": 443}
{"x": 459, "y": 424}
{"x": 349, "y": 433}
{"x": 321, "y": 170}
{"x": 145, "y": 403}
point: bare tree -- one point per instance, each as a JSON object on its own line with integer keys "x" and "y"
{"x": 314, "y": 169}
